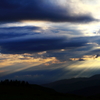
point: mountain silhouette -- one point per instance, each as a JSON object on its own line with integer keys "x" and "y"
{"x": 16, "y": 90}
{"x": 97, "y": 76}
{"x": 77, "y": 89}
{"x": 75, "y": 85}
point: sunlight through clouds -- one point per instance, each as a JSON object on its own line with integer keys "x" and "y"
{"x": 21, "y": 62}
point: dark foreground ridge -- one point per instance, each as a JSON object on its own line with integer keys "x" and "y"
{"x": 21, "y": 90}
{"x": 77, "y": 89}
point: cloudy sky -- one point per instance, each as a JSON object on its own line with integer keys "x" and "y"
{"x": 47, "y": 40}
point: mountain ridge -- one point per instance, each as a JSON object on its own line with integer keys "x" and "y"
{"x": 74, "y": 84}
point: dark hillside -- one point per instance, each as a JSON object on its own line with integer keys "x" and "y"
{"x": 15, "y": 90}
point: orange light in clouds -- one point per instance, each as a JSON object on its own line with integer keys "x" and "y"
{"x": 17, "y": 62}
{"x": 85, "y": 57}
{"x": 2, "y": 71}
{"x": 12, "y": 59}
{"x": 42, "y": 24}
{"x": 74, "y": 59}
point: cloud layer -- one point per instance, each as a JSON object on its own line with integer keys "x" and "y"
{"x": 16, "y": 10}
{"x": 39, "y": 43}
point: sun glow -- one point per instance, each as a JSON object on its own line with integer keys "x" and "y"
{"x": 21, "y": 62}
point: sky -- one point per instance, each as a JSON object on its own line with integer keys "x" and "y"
{"x": 42, "y": 41}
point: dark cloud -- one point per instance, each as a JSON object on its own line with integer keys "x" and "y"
{"x": 11, "y": 32}
{"x": 31, "y": 44}
{"x": 95, "y": 52}
{"x": 71, "y": 31}
{"x": 15, "y": 10}
{"x": 19, "y": 28}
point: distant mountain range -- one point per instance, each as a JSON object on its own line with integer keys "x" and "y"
{"x": 78, "y": 86}
{"x": 68, "y": 89}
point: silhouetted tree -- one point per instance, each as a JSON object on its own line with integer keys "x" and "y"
{"x": 14, "y": 83}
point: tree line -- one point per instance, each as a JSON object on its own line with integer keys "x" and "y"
{"x": 14, "y": 83}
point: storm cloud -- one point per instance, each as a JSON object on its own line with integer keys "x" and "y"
{"x": 16, "y": 10}
{"x": 31, "y": 44}
{"x": 12, "y": 32}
